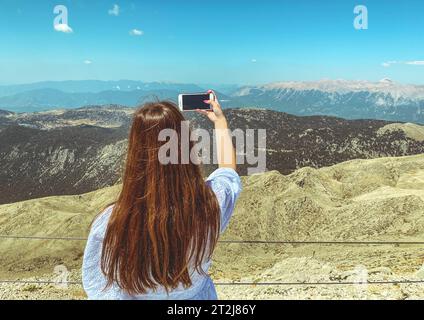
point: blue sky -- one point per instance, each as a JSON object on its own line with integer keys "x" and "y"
{"x": 231, "y": 41}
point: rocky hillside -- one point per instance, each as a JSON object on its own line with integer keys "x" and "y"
{"x": 362, "y": 200}
{"x": 37, "y": 163}
{"x": 108, "y": 116}
{"x": 76, "y": 151}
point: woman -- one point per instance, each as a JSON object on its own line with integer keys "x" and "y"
{"x": 156, "y": 241}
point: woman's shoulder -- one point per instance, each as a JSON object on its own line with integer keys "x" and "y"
{"x": 226, "y": 179}
{"x": 226, "y": 184}
{"x": 226, "y": 171}
{"x": 99, "y": 225}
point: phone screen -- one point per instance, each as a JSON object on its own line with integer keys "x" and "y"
{"x": 195, "y": 101}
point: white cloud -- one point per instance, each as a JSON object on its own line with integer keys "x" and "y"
{"x": 387, "y": 64}
{"x": 416, "y": 63}
{"x": 136, "y": 32}
{"x": 253, "y": 60}
{"x": 88, "y": 62}
{"x": 62, "y": 27}
{"x": 114, "y": 11}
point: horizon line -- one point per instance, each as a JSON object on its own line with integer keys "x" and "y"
{"x": 2, "y": 84}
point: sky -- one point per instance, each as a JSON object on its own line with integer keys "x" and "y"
{"x": 227, "y": 42}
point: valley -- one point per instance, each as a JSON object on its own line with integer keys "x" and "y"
{"x": 333, "y": 184}
{"x": 376, "y": 200}
{"x": 65, "y": 152}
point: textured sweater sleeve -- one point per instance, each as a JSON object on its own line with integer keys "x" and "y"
{"x": 93, "y": 279}
{"x": 226, "y": 184}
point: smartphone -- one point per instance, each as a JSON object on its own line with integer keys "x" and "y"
{"x": 193, "y": 101}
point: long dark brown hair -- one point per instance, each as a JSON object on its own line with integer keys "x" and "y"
{"x": 166, "y": 219}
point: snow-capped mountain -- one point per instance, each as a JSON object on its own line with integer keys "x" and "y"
{"x": 384, "y": 99}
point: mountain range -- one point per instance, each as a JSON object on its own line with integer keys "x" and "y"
{"x": 95, "y": 86}
{"x": 80, "y": 150}
{"x": 329, "y": 179}
{"x": 385, "y": 99}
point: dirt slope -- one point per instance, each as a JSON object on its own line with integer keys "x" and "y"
{"x": 366, "y": 200}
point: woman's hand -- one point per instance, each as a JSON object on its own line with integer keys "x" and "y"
{"x": 225, "y": 150}
{"x": 216, "y": 114}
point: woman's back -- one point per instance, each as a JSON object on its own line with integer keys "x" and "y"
{"x": 157, "y": 240}
{"x": 226, "y": 184}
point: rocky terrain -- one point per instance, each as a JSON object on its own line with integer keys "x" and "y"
{"x": 108, "y": 116}
{"x": 358, "y": 200}
{"x": 80, "y": 150}
{"x": 37, "y": 163}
